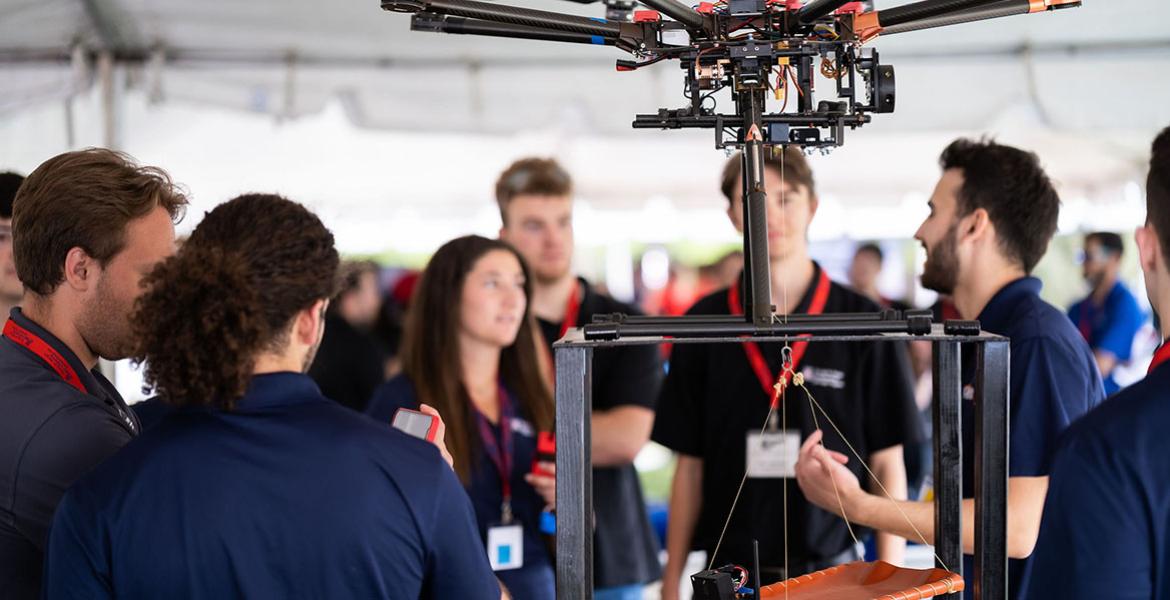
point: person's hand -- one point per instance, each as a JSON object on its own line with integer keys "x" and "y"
{"x": 822, "y": 476}
{"x": 441, "y": 435}
{"x": 545, "y": 484}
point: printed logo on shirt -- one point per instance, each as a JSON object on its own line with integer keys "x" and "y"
{"x": 824, "y": 377}
{"x": 522, "y": 427}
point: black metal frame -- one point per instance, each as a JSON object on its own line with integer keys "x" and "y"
{"x": 574, "y": 362}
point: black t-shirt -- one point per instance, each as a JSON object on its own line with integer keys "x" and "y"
{"x": 712, "y": 398}
{"x": 625, "y": 550}
{"x": 349, "y": 365}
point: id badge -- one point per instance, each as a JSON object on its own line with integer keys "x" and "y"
{"x": 772, "y": 454}
{"x": 505, "y": 547}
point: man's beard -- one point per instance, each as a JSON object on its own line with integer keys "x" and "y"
{"x": 105, "y": 325}
{"x": 310, "y": 356}
{"x": 942, "y": 264}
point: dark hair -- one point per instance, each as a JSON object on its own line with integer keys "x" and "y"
{"x": 9, "y": 183}
{"x": 531, "y": 176}
{"x": 229, "y": 294}
{"x": 872, "y": 248}
{"x": 1108, "y": 240}
{"x": 794, "y": 168}
{"x": 1011, "y": 186}
{"x": 349, "y": 278}
{"x": 1158, "y": 190}
{"x": 83, "y": 199}
{"x": 431, "y": 349}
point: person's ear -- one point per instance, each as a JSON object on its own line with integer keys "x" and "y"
{"x": 735, "y": 214}
{"x": 976, "y": 226}
{"x": 310, "y": 324}
{"x": 80, "y": 269}
{"x": 813, "y": 204}
{"x": 1149, "y": 248}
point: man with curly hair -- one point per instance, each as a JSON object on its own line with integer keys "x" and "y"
{"x": 87, "y": 227}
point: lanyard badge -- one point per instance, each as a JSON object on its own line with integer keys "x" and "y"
{"x": 505, "y": 542}
{"x": 33, "y": 343}
{"x": 500, "y": 452}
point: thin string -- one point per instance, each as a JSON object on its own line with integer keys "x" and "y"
{"x": 872, "y": 475}
{"x": 799, "y": 381}
{"x": 786, "y": 353}
{"x": 711, "y": 563}
{"x": 784, "y": 428}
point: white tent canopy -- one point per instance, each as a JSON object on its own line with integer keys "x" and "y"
{"x": 396, "y": 136}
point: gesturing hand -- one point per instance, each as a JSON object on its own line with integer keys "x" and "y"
{"x": 818, "y": 469}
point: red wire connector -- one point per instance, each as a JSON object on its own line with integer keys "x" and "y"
{"x": 646, "y": 16}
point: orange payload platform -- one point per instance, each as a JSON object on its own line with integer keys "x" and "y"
{"x": 866, "y": 581}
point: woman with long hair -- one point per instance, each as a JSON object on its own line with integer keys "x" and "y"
{"x": 256, "y": 485}
{"x": 471, "y": 351}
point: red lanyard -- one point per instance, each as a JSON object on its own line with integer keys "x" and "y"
{"x": 572, "y": 309}
{"x": 41, "y": 348}
{"x": 500, "y": 453}
{"x": 1161, "y": 356}
{"x": 756, "y": 358}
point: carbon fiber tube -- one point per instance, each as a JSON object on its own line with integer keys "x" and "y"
{"x": 677, "y": 11}
{"x": 819, "y": 8}
{"x": 925, "y": 10}
{"x": 793, "y": 318}
{"x": 514, "y": 15}
{"x": 711, "y": 121}
{"x": 1002, "y": 8}
{"x": 461, "y": 25}
{"x": 684, "y": 328}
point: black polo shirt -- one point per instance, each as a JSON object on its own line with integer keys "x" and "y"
{"x": 51, "y": 433}
{"x": 712, "y": 398}
{"x": 625, "y": 550}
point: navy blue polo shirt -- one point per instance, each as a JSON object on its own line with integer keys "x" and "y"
{"x": 1110, "y": 327}
{"x": 1106, "y": 526}
{"x": 289, "y": 495}
{"x": 535, "y": 580}
{"x": 1054, "y": 381}
{"x": 51, "y": 433}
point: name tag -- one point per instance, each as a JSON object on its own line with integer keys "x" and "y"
{"x": 772, "y": 454}
{"x": 522, "y": 427}
{"x": 505, "y": 547}
{"x": 824, "y": 377}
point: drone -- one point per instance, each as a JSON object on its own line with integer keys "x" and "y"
{"x": 757, "y": 49}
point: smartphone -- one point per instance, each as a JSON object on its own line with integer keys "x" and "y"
{"x": 413, "y": 422}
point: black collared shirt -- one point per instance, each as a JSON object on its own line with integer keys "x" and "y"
{"x": 51, "y": 434}
{"x": 625, "y": 550}
{"x": 712, "y": 398}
